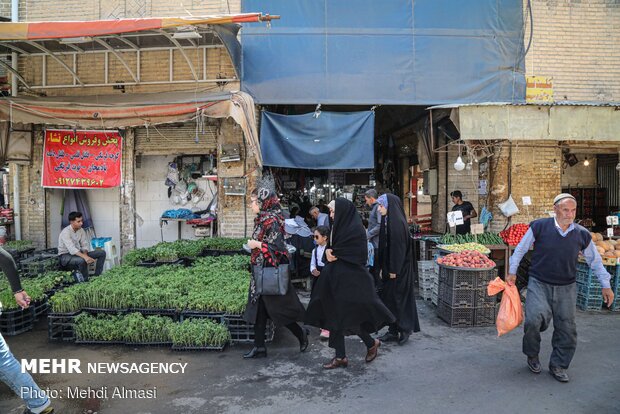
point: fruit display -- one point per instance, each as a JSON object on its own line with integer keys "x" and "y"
{"x": 465, "y": 246}
{"x": 606, "y": 248}
{"x": 467, "y": 259}
{"x": 513, "y": 234}
{"x": 484, "y": 238}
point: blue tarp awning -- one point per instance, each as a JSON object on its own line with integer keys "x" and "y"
{"x": 393, "y": 52}
{"x": 333, "y": 140}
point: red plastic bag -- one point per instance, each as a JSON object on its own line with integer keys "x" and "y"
{"x": 510, "y": 313}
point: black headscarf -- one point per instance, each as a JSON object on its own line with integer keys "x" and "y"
{"x": 348, "y": 237}
{"x": 394, "y": 241}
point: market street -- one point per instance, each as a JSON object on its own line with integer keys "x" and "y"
{"x": 441, "y": 370}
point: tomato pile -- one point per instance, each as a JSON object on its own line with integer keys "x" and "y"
{"x": 513, "y": 234}
{"x": 469, "y": 259}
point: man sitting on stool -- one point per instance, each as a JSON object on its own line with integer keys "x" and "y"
{"x": 73, "y": 248}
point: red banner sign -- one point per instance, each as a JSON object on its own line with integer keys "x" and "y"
{"x": 82, "y": 159}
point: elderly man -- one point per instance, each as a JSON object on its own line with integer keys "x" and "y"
{"x": 73, "y": 248}
{"x": 552, "y": 291}
{"x": 322, "y": 219}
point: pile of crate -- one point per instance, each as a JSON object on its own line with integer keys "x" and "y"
{"x": 428, "y": 280}
{"x": 589, "y": 289}
{"x": 463, "y": 299}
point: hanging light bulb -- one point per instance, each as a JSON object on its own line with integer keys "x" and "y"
{"x": 618, "y": 167}
{"x": 468, "y": 166}
{"x": 586, "y": 162}
{"x": 459, "y": 165}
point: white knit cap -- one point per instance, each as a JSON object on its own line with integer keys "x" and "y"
{"x": 561, "y": 197}
{"x": 332, "y": 205}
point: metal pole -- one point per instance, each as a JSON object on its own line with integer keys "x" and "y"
{"x": 16, "y": 213}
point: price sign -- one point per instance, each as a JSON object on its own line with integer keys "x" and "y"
{"x": 612, "y": 220}
{"x": 455, "y": 218}
{"x": 610, "y": 232}
{"x": 477, "y": 228}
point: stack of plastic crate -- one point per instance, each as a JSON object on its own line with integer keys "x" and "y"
{"x": 435, "y": 291}
{"x": 427, "y": 278}
{"x": 463, "y": 300}
{"x": 589, "y": 289}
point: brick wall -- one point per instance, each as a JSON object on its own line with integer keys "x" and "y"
{"x": 233, "y": 221}
{"x": 535, "y": 172}
{"x": 52, "y": 10}
{"x": 576, "y": 43}
{"x": 5, "y": 8}
{"x": 33, "y": 211}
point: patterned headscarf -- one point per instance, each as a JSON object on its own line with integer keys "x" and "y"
{"x": 383, "y": 200}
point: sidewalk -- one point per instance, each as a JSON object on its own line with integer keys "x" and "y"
{"x": 440, "y": 370}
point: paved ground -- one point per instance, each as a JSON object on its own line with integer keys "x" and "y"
{"x": 441, "y": 370}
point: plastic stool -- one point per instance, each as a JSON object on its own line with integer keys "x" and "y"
{"x": 111, "y": 257}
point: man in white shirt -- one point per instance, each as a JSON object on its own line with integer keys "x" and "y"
{"x": 322, "y": 219}
{"x": 73, "y": 248}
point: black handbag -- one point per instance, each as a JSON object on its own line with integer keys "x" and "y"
{"x": 271, "y": 281}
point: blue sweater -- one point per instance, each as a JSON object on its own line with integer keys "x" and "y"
{"x": 554, "y": 259}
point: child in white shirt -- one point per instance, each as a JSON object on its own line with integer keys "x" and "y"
{"x": 321, "y": 233}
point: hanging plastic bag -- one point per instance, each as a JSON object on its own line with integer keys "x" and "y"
{"x": 508, "y": 207}
{"x": 510, "y": 313}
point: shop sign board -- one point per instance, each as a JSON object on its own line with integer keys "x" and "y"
{"x": 81, "y": 159}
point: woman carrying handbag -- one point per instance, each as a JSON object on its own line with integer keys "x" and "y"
{"x": 269, "y": 251}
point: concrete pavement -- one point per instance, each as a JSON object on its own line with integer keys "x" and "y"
{"x": 441, "y": 370}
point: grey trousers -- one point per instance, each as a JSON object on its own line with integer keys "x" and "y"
{"x": 544, "y": 302}
{"x": 71, "y": 262}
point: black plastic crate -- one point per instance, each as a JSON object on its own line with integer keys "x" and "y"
{"x": 60, "y": 326}
{"x": 217, "y": 317}
{"x": 157, "y": 344}
{"x": 465, "y": 278}
{"x": 154, "y": 263}
{"x": 243, "y": 332}
{"x": 456, "y": 297}
{"x": 484, "y": 316}
{"x": 97, "y": 311}
{"x": 456, "y": 318}
{"x": 171, "y": 313}
{"x": 40, "y": 308}
{"x": 217, "y": 253}
{"x": 483, "y": 300}
{"x": 198, "y": 348}
{"x": 86, "y": 342}
{"x": 14, "y": 322}
{"x": 37, "y": 264}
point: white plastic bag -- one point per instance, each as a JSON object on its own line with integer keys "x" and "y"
{"x": 508, "y": 207}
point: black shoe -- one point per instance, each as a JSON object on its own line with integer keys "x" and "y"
{"x": 559, "y": 374}
{"x": 256, "y": 352}
{"x": 534, "y": 364}
{"x": 404, "y": 337}
{"x": 388, "y": 337}
{"x": 303, "y": 344}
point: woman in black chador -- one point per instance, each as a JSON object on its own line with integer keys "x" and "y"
{"x": 344, "y": 300}
{"x": 396, "y": 267}
{"x": 269, "y": 249}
